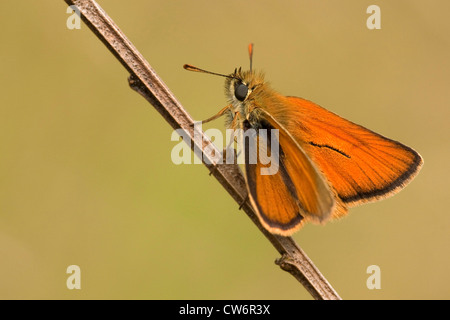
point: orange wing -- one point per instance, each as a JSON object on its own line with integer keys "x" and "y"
{"x": 361, "y": 165}
{"x": 295, "y": 193}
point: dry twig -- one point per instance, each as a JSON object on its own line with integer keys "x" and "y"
{"x": 145, "y": 81}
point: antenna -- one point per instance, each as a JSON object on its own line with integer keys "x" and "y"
{"x": 192, "y": 68}
{"x": 250, "y": 53}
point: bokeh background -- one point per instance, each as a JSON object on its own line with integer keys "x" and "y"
{"x": 86, "y": 176}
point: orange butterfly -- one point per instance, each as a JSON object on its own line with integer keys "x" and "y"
{"x": 326, "y": 163}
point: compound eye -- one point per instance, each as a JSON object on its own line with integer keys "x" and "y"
{"x": 240, "y": 92}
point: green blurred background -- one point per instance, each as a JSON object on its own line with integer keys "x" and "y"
{"x": 86, "y": 176}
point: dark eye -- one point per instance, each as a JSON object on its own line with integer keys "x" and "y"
{"x": 240, "y": 92}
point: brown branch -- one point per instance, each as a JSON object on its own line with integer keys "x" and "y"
{"x": 145, "y": 81}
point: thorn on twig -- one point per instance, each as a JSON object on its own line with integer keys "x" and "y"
{"x": 285, "y": 262}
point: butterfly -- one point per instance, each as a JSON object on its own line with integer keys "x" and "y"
{"x": 326, "y": 164}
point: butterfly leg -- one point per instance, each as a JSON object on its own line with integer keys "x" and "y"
{"x": 243, "y": 202}
{"x": 224, "y": 161}
{"x": 226, "y": 156}
{"x": 219, "y": 114}
{"x": 237, "y": 116}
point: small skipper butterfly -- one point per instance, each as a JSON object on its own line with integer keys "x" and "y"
{"x": 327, "y": 163}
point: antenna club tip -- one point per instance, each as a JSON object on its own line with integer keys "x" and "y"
{"x": 191, "y": 68}
{"x": 250, "y": 53}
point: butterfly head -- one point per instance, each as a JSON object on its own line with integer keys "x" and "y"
{"x": 244, "y": 90}
{"x": 241, "y": 89}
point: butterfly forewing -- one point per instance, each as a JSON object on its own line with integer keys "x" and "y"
{"x": 361, "y": 165}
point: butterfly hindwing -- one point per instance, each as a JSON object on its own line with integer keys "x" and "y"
{"x": 294, "y": 193}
